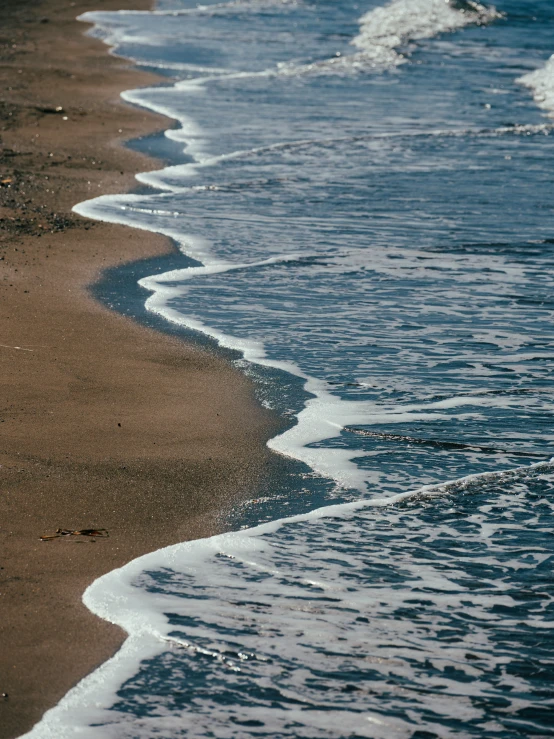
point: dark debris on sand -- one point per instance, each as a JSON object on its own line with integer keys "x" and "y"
{"x": 26, "y": 187}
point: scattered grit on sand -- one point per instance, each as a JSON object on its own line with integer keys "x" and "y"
{"x": 104, "y": 423}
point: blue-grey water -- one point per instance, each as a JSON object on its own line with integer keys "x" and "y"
{"x": 362, "y": 196}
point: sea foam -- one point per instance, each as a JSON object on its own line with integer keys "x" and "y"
{"x": 541, "y": 82}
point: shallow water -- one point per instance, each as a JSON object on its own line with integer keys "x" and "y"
{"x": 363, "y": 208}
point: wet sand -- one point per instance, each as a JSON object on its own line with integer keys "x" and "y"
{"x": 104, "y": 423}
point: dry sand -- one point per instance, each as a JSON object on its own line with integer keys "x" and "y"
{"x": 103, "y": 423}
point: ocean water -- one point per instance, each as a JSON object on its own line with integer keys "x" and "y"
{"x": 361, "y": 194}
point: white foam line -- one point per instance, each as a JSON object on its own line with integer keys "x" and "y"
{"x": 158, "y": 178}
{"x": 425, "y": 491}
{"x": 252, "y": 350}
{"x": 182, "y": 67}
{"x": 194, "y": 247}
{"x": 97, "y": 16}
{"x": 192, "y": 136}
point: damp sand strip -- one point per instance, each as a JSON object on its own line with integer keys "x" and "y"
{"x": 105, "y": 424}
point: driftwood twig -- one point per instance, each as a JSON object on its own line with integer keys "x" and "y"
{"x": 101, "y": 533}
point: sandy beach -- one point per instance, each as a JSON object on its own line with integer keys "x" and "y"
{"x": 105, "y": 424}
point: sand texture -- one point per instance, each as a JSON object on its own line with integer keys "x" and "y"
{"x": 104, "y": 423}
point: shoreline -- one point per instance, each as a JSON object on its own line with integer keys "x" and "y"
{"x": 106, "y": 423}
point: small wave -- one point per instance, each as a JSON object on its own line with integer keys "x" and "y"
{"x": 180, "y": 172}
{"x": 386, "y": 31}
{"x": 541, "y": 82}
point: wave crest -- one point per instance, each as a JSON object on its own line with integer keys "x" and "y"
{"x": 541, "y": 82}
{"x": 386, "y": 29}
